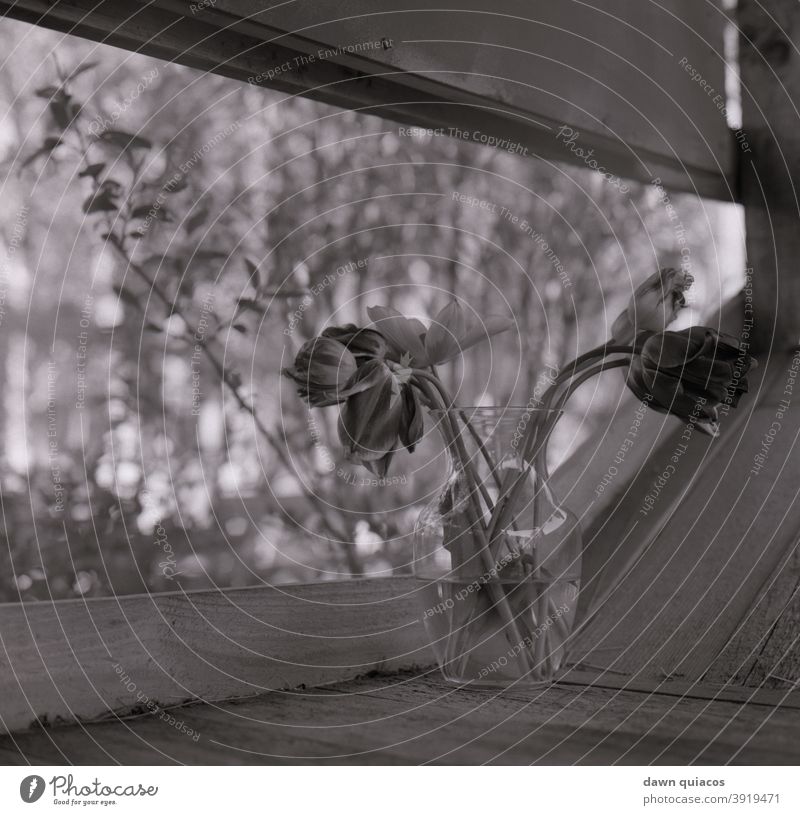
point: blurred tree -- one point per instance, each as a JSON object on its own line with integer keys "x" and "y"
{"x": 251, "y": 220}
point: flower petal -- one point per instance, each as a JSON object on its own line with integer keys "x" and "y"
{"x": 369, "y": 423}
{"x": 360, "y": 342}
{"x": 443, "y": 340}
{"x": 412, "y": 420}
{"x": 402, "y": 334}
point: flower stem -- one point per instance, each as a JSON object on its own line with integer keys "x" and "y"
{"x": 437, "y": 395}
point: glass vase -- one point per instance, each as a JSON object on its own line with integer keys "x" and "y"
{"x": 497, "y": 559}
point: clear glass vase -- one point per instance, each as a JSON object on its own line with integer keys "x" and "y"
{"x": 500, "y": 589}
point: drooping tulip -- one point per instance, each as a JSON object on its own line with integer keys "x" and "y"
{"x": 452, "y": 331}
{"x": 322, "y": 371}
{"x": 690, "y": 373}
{"x": 654, "y": 306}
{"x": 380, "y": 419}
{"x": 362, "y": 343}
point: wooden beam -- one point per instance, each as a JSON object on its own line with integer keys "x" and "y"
{"x": 79, "y": 659}
{"x": 770, "y": 81}
{"x": 615, "y": 73}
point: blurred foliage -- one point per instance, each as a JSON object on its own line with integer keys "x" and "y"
{"x": 171, "y": 238}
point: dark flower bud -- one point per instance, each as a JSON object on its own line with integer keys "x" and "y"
{"x": 321, "y": 370}
{"x": 690, "y": 373}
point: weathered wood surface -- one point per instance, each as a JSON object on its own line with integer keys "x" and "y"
{"x": 57, "y": 660}
{"x": 414, "y": 719}
{"x": 769, "y": 48}
{"x": 510, "y": 70}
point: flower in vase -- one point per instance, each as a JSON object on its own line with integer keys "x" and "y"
{"x": 381, "y": 417}
{"x": 690, "y": 373}
{"x": 654, "y": 305}
{"x": 362, "y": 343}
{"x": 324, "y": 371}
{"x": 451, "y": 332}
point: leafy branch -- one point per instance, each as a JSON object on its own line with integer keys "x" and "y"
{"x": 127, "y": 213}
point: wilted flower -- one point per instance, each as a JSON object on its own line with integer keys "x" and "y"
{"x": 452, "y": 331}
{"x": 690, "y": 373}
{"x": 362, "y": 343}
{"x": 323, "y": 370}
{"x": 380, "y": 418}
{"x": 654, "y": 305}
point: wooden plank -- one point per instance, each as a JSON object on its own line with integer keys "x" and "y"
{"x": 506, "y": 76}
{"x": 403, "y": 719}
{"x": 610, "y": 69}
{"x": 688, "y": 593}
{"x": 777, "y": 663}
{"x": 762, "y": 649}
{"x": 712, "y": 691}
{"x": 58, "y": 659}
{"x": 770, "y": 81}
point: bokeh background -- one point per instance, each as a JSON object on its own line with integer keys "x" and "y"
{"x": 127, "y": 463}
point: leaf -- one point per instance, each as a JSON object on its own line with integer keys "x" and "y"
{"x": 253, "y": 273}
{"x": 81, "y": 69}
{"x": 63, "y": 109}
{"x": 49, "y": 144}
{"x": 47, "y": 91}
{"x": 152, "y": 211}
{"x": 92, "y": 170}
{"x": 248, "y": 304}
{"x": 448, "y": 329}
{"x": 101, "y": 201}
{"x": 124, "y": 140}
{"x": 127, "y": 296}
{"x": 197, "y": 218}
{"x": 175, "y": 183}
